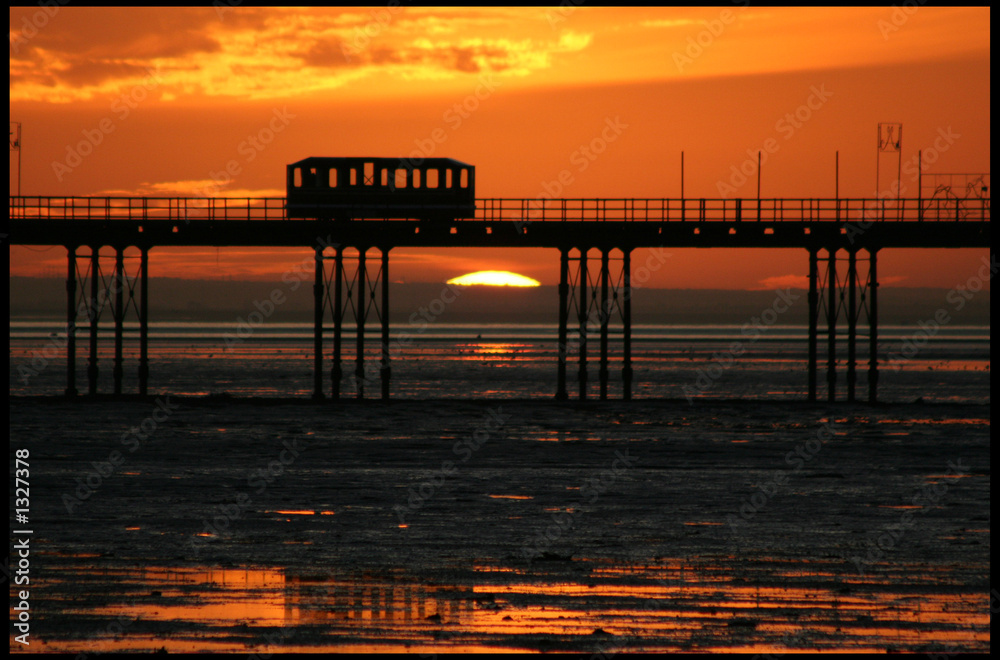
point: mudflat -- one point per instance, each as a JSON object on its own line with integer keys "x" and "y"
{"x": 202, "y": 524}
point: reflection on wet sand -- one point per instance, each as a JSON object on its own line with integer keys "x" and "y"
{"x": 701, "y": 604}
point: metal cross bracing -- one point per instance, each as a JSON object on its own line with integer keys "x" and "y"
{"x": 846, "y": 298}
{"x": 101, "y": 286}
{"x": 579, "y": 289}
{"x": 362, "y": 292}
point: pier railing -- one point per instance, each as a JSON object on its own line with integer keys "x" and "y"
{"x": 530, "y": 209}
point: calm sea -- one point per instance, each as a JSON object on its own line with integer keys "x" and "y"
{"x": 508, "y": 360}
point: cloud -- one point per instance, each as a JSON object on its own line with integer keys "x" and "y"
{"x": 792, "y": 281}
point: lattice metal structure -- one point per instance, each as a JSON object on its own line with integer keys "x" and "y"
{"x": 353, "y": 289}
{"x": 593, "y": 299}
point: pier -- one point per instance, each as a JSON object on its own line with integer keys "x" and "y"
{"x": 595, "y": 237}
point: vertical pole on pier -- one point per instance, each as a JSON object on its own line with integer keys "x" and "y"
{"x": 144, "y": 321}
{"x": 93, "y": 309}
{"x": 831, "y": 320}
{"x": 359, "y": 370}
{"x": 386, "y": 369}
{"x": 338, "y": 317}
{"x": 563, "y": 320}
{"x": 119, "y": 317}
{"x": 319, "y": 281}
{"x": 583, "y": 308}
{"x": 605, "y": 317}
{"x": 852, "y": 321}
{"x": 627, "y": 324}
{"x": 71, "y": 322}
{"x": 813, "y": 318}
{"x": 872, "y": 325}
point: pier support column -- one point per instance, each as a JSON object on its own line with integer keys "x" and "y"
{"x": 336, "y": 372}
{"x": 71, "y": 322}
{"x": 831, "y": 319}
{"x": 93, "y": 313}
{"x": 359, "y": 369}
{"x": 627, "y": 324}
{"x": 561, "y": 394}
{"x": 119, "y": 318}
{"x": 144, "y": 321}
{"x": 813, "y": 319}
{"x": 872, "y": 325}
{"x": 852, "y": 321}
{"x": 605, "y": 316}
{"x": 319, "y": 283}
{"x": 582, "y": 307}
{"x": 386, "y": 368}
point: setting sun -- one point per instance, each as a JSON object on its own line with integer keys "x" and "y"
{"x": 494, "y": 278}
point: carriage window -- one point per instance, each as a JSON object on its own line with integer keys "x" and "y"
{"x": 432, "y": 179}
{"x": 400, "y": 178}
{"x": 416, "y": 178}
{"x": 447, "y": 178}
{"x": 384, "y": 179}
{"x": 464, "y": 180}
{"x": 354, "y": 177}
{"x": 297, "y": 177}
{"x": 333, "y": 177}
{"x": 369, "y": 174}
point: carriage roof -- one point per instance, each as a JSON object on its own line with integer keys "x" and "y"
{"x": 379, "y": 162}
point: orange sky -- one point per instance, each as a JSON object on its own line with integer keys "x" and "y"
{"x": 174, "y": 96}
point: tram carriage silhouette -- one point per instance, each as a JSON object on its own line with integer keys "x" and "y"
{"x": 355, "y": 188}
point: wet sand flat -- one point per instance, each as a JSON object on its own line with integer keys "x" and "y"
{"x": 236, "y": 525}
